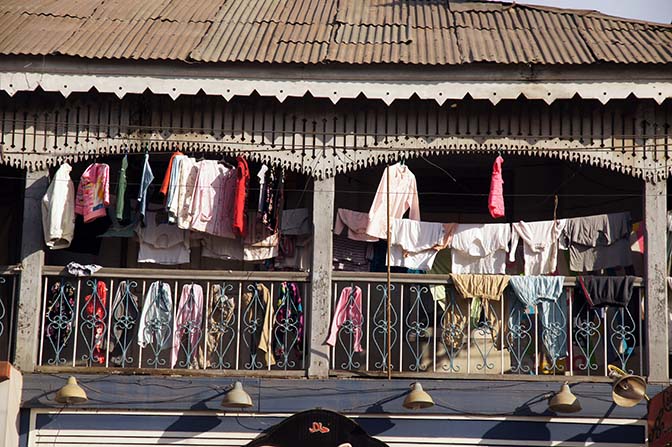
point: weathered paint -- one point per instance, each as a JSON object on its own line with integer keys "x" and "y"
{"x": 30, "y": 281}
{"x": 320, "y": 288}
{"x": 655, "y": 214}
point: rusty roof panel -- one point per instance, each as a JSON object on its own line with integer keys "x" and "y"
{"x": 35, "y": 34}
{"x": 149, "y": 40}
{"x": 423, "y": 32}
{"x": 614, "y": 40}
{"x": 263, "y": 42}
{"x": 198, "y": 11}
{"x": 56, "y": 8}
{"x": 130, "y": 9}
{"x": 520, "y": 35}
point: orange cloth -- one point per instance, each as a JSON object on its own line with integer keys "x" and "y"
{"x": 166, "y": 177}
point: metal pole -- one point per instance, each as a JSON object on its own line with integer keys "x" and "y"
{"x": 389, "y": 295}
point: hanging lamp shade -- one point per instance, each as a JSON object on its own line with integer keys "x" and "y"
{"x": 237, "y": 397}
{"x": 71, "y": 393}
{"x": 418, "y": 398}
{"x": 564, "y": 401}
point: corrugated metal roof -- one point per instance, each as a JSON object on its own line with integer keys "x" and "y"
{"x": 425, "y": 32}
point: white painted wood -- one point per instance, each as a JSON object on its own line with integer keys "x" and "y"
{"x": 30, "y": 280}
{"x": 655, "y": 215}
{"x": 320, "y": 287}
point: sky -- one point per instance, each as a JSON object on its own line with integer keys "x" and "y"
{"x": 651, "y": 10}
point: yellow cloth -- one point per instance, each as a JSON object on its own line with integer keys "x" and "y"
{"x": 481, "y": 289}
{"x": 267, "y": 328}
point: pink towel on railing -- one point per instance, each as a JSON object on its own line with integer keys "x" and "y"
{"x": 188, "y": 320}
{"x": 348, "y": 309}
{"x": 496, "y": 198}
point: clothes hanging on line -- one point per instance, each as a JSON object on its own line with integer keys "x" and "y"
{"x": 212, "y": 203}
{"x": 598, "y": 242}
{"x": 348, "y": 308}
{"x": 601, "y": 291}
{"x": 221, "y": 248}
{"x": 269, "y": 213}
{"x": 496, "y": 197}
{"x": 295, "y": 222}
{"x": 240, "y": 199}
{"x": 188, "y": 322}
{"x": 547, "y": 293}
{"x": 350, "y": 255}
{"x": 295, "y": 253}
{"x": 441, "y": 266}
{"x": 58, "y": 210}
{"x": 186, "y": 184}
{"x": 93, "y": 192}
{"x": 261, "y": 175}
{"x": 168, "y": 177}
{"x": 540, "y": 244}
{"x": 414, "y": 244}
{"x": 157, "y": 315}
{"x": 172, "y": 192}
{"x": 162, "y": 243}
{"x": 260, "y": 243}
{"x": 123, "y": 208}
{"x": 356, "y": 223}
{"x": 145, "y": 181}
{"x": 403, "y": 197}
{"x": 480, "y": 248}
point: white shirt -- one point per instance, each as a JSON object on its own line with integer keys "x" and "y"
{"x": 540, "y": 249}
{"x": 480, "y": 248}
{"x": 162, "y": 244}
{"x": 414, "y": 244}
{"x": 58, "y": 210}
{"x": 403, "y": 196}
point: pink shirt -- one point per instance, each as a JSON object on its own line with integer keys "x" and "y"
{"x": 496, "y": 198}
{"x": 403, "y": 197}
{"x": 211, "y": 208}
{"x": 93, "y": 192}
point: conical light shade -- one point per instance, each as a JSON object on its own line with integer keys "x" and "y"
{"x": 71, "y": 393}
{"x": 418, "y": 398}
{"x": 564, "y": 401}
{"x": 237, "y": 397}
{"x": 628, "y": 391}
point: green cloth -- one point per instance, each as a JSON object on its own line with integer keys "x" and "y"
{"x": 442, "y": 265}
{"x": 123, "y": 211}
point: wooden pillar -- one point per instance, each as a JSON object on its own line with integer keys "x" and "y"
{"x": 30, "y": 282}
{"x": 320, "y": 286}
{"x": 655, "y": 215}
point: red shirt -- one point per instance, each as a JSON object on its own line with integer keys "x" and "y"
{"x": 240, "y": 197}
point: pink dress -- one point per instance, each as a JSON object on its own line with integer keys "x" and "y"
{"x": 496, "y": 198}
{"x": 93, "y": 192}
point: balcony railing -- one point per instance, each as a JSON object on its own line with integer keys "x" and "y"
{"x": 452, "y": 336}
{"x": 165, "y": 320}
{"x": 8, "y": 291}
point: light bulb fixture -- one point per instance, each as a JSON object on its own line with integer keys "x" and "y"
{"x": 564, "y": 401}
{"x": 237, "y": 397}
{"x": 417, "y": 398}
{"x": 71, "y": 393}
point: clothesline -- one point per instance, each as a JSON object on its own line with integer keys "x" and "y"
{"x": 423, "y": 193}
